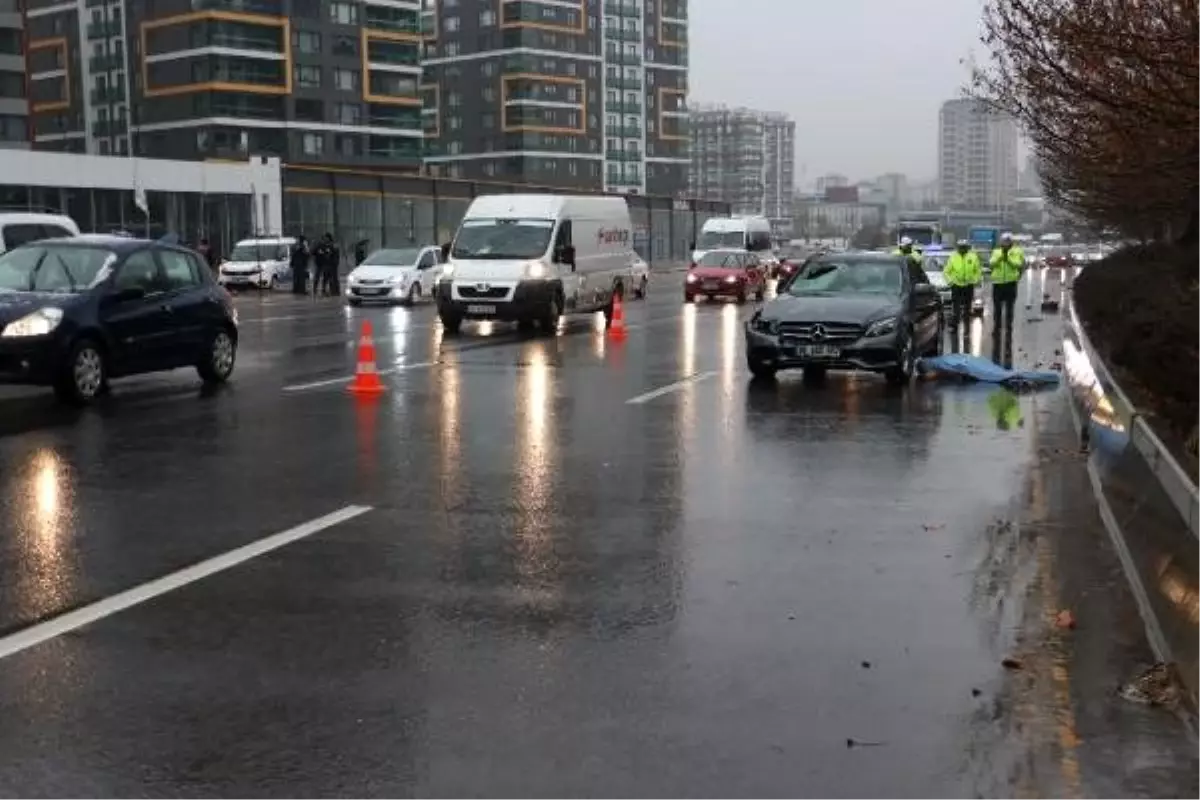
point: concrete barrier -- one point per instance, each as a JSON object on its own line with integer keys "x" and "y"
{"x": 1147, "y": 501}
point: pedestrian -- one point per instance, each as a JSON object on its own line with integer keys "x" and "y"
{"x": 209, "y": 255}
{"x": 1007, "y": 262}
{"x": 299, "y": 258}
{"x": 963, "y": 273}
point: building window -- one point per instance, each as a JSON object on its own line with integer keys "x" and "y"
{"x": 313, "y": 144}
{"x": 307, "y": 77}
{"x": 349, "y": 113}
{"x": 450, "y": 24}
{"x": 343, "y": 12}
{"x": 487, "y": 18}
{"x": 346, "y": 79}
{"x": 489, "y": 68}
{"x": 345, "y": 46}
{"x": 307, "y": 41}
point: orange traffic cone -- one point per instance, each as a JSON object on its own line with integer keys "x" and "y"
{"x": 366, "y": 376}
{"x": 616, "y": 330}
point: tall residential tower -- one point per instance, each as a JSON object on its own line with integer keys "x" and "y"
{"x": 977, "y": 157}
{"x": 747, "y": 159}
{"x": 306, "y": 80}
{"x": 14, "y": 106}
{"x": 576, "y": 93}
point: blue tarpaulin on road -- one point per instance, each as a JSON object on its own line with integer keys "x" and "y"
{"x": 968, "y": 367}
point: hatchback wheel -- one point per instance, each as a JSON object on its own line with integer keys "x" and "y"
{"x": 85, "y": 374}
{"x": 217, "y": 364}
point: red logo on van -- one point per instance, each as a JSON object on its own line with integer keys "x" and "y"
{"x": 612, "y": 236}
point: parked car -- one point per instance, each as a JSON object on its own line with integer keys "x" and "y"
{"x": 76, "y": 312}
{"x": 258, "y": 263}
{"x": 864, "y": 311}
{"x": 1058, "y": 257}
{"x": 395, "y": 275}
{"x": 18, "y": 228}
{"x": 726, "y": 273}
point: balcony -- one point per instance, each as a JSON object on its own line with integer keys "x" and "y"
{"x": 622, "y": 35}
{"x": 106, "y": 29}
{"x": 623, "y": 108}
{"x": 626, "y": 9}
{"x": 106, "y": 128}
{"x": 624, "y": 155}
{"x": 106, "y": 63}
{"x": 623, "y": 131}
{"x": 627, "y": 59}
{"x": 107, "y": 95}
{"x": 630, "y": 84}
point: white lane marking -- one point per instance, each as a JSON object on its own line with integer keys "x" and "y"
{"x": 303, "y": 387}
{"x": 93, "y": 612}
{"x": 671, "y": 387}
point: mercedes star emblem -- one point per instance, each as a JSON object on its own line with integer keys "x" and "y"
{"x": 818, "y": 332}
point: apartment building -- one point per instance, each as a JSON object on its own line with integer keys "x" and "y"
{"x": 14, "y": 105}
{"x": 590, "y": 94}
{"x": 977, "y": 157}
{"x": 747, "y": 159}
{"x": 305, "y": 80}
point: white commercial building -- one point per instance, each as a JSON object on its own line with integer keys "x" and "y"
{"x": 977, "y": 157}
{"x": 221, "y": 201}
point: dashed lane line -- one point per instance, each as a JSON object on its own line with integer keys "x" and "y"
{"x": 93, "y": 612}
{"x": 325, "y": 384}
{"x": 671, "y": 387}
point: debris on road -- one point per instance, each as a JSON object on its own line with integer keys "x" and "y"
{"x": 1009, "y": 662}
{"x": 1065, "y": 619}
{"x": 937, "y": 527}
{"x": 866, "y": 665}
{"x": 1157, "y": 686}
{"x": 975, "y": 692}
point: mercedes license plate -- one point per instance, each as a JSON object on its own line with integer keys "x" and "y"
{"x": 818, "y": 351}
{"x": 711, "y": 285}
{"x": 483, "y": 310}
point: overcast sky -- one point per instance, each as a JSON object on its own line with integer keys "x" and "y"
{"x": 863, "y": 79}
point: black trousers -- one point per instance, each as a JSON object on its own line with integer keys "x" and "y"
{"x": 1004, "y": 300}
{"x": 961, "y": 300}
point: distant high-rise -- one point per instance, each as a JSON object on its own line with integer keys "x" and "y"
{"x": 575, "y": 93}
{"x": 14, "y": 106}
{"x": 747, "y": 159}
{"x": 977, "y": 157}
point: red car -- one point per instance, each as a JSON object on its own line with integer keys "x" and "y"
{"x": 1058, "y": 257}
{"x": 726, "y": 273}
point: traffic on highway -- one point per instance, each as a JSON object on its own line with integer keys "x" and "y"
{"x": 534, "y": 519}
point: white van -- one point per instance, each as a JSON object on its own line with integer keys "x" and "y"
{"x": 260, "y": 263}
{"x": 18, "y": 228}
{"x": 752, "y": 234}
{"x": 531, "y": 257}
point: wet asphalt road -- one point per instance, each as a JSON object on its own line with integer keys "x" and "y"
{"x": 587, "y": 568}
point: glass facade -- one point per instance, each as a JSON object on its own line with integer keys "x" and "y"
{"x": 391, "y": 211}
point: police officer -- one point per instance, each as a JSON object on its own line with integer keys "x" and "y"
{"x": 963, "y": 272}
{"x": 906, "y": 249}
{"x": 327, "y": 259}
{"x": 299, "y": 259}
{"x": 1007, "y": 262}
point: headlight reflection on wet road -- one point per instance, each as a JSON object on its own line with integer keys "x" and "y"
{"x": 534, "y": 455}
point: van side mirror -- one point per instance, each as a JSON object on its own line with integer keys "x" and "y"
{"x": 692, "y": 246}
{"x": 566, "y": 255}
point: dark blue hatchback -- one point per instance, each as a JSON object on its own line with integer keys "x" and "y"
{"x": 76, "y": 312}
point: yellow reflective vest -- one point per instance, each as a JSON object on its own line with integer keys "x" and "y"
{"x": 963, "y": 270}
{"x": 913, "y": 255}
{"x": 1007, "y": 268}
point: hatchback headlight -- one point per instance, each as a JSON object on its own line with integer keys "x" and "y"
{"x": 882, "y": 327}
{"x": 39, "y": 323}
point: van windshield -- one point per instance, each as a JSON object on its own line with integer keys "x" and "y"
{"x": 259, "y": 252}
{"x": 502, "y": 238}
{"x": 712, "y": 240}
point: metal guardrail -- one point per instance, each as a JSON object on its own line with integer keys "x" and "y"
{"x": 1171, "y": 476}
